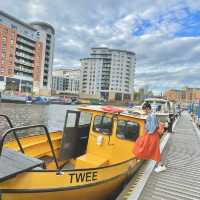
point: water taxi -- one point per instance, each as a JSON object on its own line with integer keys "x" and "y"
{"x": 89, "y": 160}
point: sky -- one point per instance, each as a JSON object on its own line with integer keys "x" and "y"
{"x": 164, "y": 34}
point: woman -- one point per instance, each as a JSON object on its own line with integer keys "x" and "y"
{"x": 148, "y": 146}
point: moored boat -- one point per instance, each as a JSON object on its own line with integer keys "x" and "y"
{"x": 164, "y": 109}
{"x": 90, "y": 159}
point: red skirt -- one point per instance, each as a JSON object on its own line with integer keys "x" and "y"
{"x": 147, "y": 147}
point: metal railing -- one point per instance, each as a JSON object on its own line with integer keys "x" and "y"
{"x": 13, "y": 130}
{"x": 14, "y": 133}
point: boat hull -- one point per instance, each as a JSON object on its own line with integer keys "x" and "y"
{"x": 97, "y": 192}
{"x": 93, "y": 184}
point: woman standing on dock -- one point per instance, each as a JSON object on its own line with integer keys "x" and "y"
{"x": 147, "y": 147}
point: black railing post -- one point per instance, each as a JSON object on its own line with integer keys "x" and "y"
{"x": 51, "y": 146}
{"x": 170, "y": 123}
{"x": 2, "y": 138}
{"x": 14, "y": 133}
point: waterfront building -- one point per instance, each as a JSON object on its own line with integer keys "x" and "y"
{"x": 108, "y": 74}
{"x": 66, "y": 81}
{"x": 186, "y": 95}
{"x": 46, "y": 35}
{"x": 175, "y": 95}
{"x": 26, "y": 55}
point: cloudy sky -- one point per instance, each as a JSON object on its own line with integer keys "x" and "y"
{"x": 164, "y": 34}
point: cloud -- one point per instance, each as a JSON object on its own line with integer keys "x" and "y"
{"x": 164, "y": 34}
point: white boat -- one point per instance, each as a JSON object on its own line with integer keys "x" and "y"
{"x": 13, "y": 99}
{"x": 164, "y": 109}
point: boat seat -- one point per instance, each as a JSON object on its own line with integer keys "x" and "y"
{"x": 90, "y": 161}
{"x": 13, "y": 163}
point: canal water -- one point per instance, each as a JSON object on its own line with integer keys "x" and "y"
{"x": 52, "y": 115}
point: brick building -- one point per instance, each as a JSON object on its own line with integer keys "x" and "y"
{"x": 187, "y": 95}
{"x": 26, "y": 54}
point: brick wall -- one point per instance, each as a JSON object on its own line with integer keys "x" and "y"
{"x": 7, "y": 50}
{"x": 37, "y": 63}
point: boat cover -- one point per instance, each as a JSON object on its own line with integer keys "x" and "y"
{"x": 13, "y": 163}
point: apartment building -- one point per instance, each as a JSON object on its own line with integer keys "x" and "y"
{"x": 66, "y": 81}
{"x": 23, "y": 52}
{"x": 46, "y": 35}
{"x": 108, "y": 74}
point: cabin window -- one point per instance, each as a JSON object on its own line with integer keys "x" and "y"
{"x": 71, "y": 120}
{"x": 102, "y": 124}
{"x": 85, "y": 118}
{"x": 127, "y": 130}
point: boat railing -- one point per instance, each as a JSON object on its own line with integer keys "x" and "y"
{"x": 13, "y": 131}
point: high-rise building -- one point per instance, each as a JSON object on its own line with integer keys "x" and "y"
{"x": 108, "y": 74}
{"x": 66, "y": 81}
{"x": 46, "y": 35}
{"x": 24, "y": 54}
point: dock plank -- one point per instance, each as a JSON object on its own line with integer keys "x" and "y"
{"x": 181, "y": 180}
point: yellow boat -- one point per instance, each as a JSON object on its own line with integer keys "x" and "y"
{"x": 89, "y": 160}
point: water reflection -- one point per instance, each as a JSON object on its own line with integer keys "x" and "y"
{"x": 52, "y": 116}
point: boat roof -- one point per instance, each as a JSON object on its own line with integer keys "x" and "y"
{"x": 126, "y": 112}
{"x": 156, "y": 99}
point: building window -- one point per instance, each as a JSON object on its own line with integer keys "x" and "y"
{"x": 118, "y": 96}
{"x": 13, "y": 26}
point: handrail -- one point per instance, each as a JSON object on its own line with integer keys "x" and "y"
{"x": 14, "y": 133}
{"x": 2, "y": 138}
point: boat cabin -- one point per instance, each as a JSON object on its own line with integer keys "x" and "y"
{"x": 92, "y": 137}
{"x": 96, "y": 137}
{"x": 92, "y": 155}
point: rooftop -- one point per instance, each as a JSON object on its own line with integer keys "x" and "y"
{"x": 121, "y": 50}
{"x": 16, "y": 20}
{"x": 43, "y": 24}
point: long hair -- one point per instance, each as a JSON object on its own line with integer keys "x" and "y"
{"x": 146, "y": 105}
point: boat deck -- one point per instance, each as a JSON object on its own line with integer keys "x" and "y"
{"x": 181, "y": 180}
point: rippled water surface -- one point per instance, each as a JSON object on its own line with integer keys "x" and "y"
{"x": 52, "y": 116}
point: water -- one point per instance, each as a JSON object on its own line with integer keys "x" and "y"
{"x": 52, "y": 116}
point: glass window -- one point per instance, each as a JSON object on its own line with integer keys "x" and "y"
{"x": 127, "y": 130}
{"x": 103, "y": 124}
{"x": 85, "y": 118}
{"x": 71, "y": 120}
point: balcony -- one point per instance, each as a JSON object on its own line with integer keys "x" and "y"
{"x": 47, "y": 53}
{"x": 46, "y": 68}
{"x": 26, "y": 42}
{"x": 47, "y": 47}
{"x": 22, "y": 62}
{"x": 106, "y": 71}
{"x": 45, "y": 74}
{"x": 22, "y": 69}
{"x": 25, "y": 49}
{"x": 22, "y": 55}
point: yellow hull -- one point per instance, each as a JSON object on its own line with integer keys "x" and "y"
{"x": 93, "y": 192}
{"x": 96, "y": 175}
{"x": 87, "y": 184}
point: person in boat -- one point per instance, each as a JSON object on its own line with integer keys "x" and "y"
{"x": 147, "y": 147}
